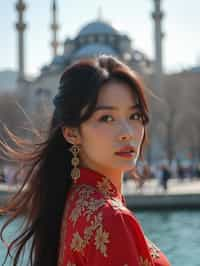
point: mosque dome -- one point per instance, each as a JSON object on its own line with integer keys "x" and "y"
{"x": 94, "y": 49}
{"x": 97, "y": 27}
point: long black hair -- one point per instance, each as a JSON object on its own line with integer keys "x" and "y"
{"x": 48, "y": 164}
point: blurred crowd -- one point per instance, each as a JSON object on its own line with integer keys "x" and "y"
{"x": 8, "y": 174}
{"x": 163, "y": 171}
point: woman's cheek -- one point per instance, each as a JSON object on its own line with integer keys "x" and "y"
{"x": 100, "y": 128}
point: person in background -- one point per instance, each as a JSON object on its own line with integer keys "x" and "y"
{"x": 165, "y": 176}
{"x": 142, "y": 174}
{"x": 181, "y": 172}
{"x": 2, "y": 176}
{"x": 197, "y": 170}
{"x": 76, "y": 213}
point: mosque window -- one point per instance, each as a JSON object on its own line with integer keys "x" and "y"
{"x": 82, "y": 40}
{"x": 111, "y": 39}
{"x": 101, "y": 38}
{"x": 91, "y": 39}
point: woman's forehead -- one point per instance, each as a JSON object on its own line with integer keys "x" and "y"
{"x": 118, "y": 93}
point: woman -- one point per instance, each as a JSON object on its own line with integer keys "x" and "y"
{"x": 76, "y": 212}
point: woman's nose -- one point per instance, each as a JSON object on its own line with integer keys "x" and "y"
{"x": 125, "y": 137}
{"x": 126, "y": 132}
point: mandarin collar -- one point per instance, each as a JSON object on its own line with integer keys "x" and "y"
{"x": 100, "y": 182}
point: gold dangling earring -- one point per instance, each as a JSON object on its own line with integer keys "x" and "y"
{"x": 75, "y": 173}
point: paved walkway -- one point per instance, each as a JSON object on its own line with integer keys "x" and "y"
{"x": 150, "y": 187}
{"x": 8, "y": 188}
{"x": 175, "y": 186}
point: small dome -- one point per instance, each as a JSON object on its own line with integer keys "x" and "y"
{"x": 97, "y": 27}
{"x": 94, "y": 50}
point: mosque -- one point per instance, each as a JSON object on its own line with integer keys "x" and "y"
{"x": 95, "y": 38}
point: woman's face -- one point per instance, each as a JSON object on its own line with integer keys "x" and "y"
{"x": 116, "y": 123}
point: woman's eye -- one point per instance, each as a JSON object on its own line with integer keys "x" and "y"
{"x": 136, "y": 116}
{"x": 106, "y": 118}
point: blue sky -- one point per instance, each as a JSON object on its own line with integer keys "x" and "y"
{"x": 181, "y": 46}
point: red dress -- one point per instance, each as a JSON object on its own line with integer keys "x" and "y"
{"x": 99, "y": 230}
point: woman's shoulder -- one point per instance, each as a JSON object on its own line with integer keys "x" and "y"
{"x": 95, "y": 222}
{"x": 86, "y": 201}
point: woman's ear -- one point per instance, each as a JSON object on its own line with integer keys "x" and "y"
{"x": 71, "y": 135}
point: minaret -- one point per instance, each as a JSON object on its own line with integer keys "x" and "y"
{"x": 20, "y": 26}
{"x": 100, "y": 14}
{"x": 54, "y": 27}
{"x": 157, "y": 15}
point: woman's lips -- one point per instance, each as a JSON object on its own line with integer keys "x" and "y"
{"x": 127, "y": 151}
{"x": 125, "y": 154}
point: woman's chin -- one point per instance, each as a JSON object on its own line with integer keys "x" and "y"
{"x": 126, "y": 168}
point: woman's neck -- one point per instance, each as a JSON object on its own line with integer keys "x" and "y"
{"x": 114, "y": 175}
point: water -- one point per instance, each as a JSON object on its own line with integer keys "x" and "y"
{"x": 176, "y": 233}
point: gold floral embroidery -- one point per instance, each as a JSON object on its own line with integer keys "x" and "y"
{"x": 85, "y": 205}
{"x": 81, "y": 203}
{"x": 105, "y": 187}
{"x": 93, "y": 206}
{"x": 79, "y": 243}
{"x": 117, "y": 204}
{"x": 101, "y": 239}
{"x": 154, "y": 250}
{"x": 144, "y": 262}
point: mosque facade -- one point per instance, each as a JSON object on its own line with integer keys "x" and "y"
{"x": 95, "y": 38}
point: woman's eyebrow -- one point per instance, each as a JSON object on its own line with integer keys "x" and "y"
{"x": 107, "y": 107}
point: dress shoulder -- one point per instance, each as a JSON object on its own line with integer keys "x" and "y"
{"x": 99, "y": 230}
{"x": 98, "y": 224}
{"x": 86, "y": 202}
